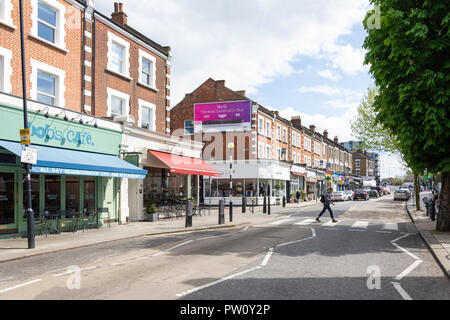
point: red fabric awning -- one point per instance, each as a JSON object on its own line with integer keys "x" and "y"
{"x": 185, "y": 165}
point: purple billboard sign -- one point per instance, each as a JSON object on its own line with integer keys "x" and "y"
{"x": 222, "y": 116}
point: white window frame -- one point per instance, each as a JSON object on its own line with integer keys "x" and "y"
{"x": 268, "y": 152}
{"x": 324, "y": 149}
{"x": 126, "y": 59}
{"x": 294, "y": 156}
{"x": 278, "y": 154}
{"x": 285, "y": 136}
{"x": 6, "y": 71}
{"x": 111, "y": 92}
{"x": 268, "y": 129}
{"x": 309, "y": 161}
{"x": 58, "y": 73}
{"x": 6, "y": 13}
{"x": 261, "y": 150}
{"x": 152, "y": 107}
{"x": 60, "y": 32}
{"x": 261, "y": 127}
{"x": 357, "y": 163}
{"x": 152, "y": 60}
{"x": 278, "y": 132}
{"x": 358, "y": 171}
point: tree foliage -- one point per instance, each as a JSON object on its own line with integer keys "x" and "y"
{"x": 373, "y": 135}
{"x": 409, "y": 58}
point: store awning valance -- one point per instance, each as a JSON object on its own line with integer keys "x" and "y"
{"x": 184, "y": 165}
{"x": 78, "y": 163}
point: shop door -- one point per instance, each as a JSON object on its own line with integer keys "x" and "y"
{"x": 108, "y": 200}
{"x": 8, "y": 223}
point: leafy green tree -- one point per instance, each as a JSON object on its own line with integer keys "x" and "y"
{"x": 409, "y": 58}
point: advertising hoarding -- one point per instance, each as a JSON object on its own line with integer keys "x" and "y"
{"x": 222, "y": 116}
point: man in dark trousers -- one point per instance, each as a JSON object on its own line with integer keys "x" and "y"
{"x": 326, "y": 205}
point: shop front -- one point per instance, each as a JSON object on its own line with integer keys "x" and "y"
{"x": 77, "y": 170}
{"x": 311, "y": 180}
{"x": 297, "y": 183}
{"x": 252, "y": 178}
{"x": 174, "y": 167}
{"x": 321, "y": 182}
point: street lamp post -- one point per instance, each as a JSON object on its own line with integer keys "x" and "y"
{"x": 29, "y": 210}
{"x": 231, "y": 148}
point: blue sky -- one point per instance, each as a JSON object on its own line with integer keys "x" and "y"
{"x": 299, "y": 57}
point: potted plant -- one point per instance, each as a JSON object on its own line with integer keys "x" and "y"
{"x": 151, "y": 211}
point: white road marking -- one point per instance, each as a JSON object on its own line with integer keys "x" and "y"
{"x": 408, "y": 270}
{"x": 296, "y": 241}
{"x": 20, "y": 285}
{"x": 281, "y": 221}
{"x": 167, "y": 250}
{"x": 361, "y": 224}
{"x": 357, "y": 230}
{"x": 400, "y": 290}
{"x": 217, "y": 281}
{"x": 390, "y": 226}
{"x": 70, "y": 272}
{"x": 383, "y": 231}
{"x": 306, "y": 222}
{"x": 331, "y": 223}
{"x": 267, "y": 257}
{"x": 407, "y": 252}
{"x": 245, "y": 229}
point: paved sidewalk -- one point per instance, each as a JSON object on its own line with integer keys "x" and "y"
{"x": 12, "y": 249}
{"x": 437, "y": 242}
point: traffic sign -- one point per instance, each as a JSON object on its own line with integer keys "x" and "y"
{"x": 25, "y": 137}
{"x": 29, "y": 155}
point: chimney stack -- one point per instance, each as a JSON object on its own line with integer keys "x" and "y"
{"x": 276, "y": 112}
{"x": 296, "y": 122}
{"x": 118, "y": 15}
{"x": 325, "y": 133}
{"x": 312, "y": 128}
{"x": 336, "y": 140}
{"x": 240, "y": 92}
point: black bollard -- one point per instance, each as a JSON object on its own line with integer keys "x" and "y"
{"x": 244, "y": 204}
{"x": 284, "y": 201}
{"x": 231, "y": 211}
{"x": 221, "y": 212}
{"x": 268, "y": 205}
{"x": 188, "y": 214}
{"x": 253, "y": 206}
{"x": 264, "y": 205}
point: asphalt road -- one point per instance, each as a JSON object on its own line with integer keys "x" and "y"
{"x": 372, "y": 253}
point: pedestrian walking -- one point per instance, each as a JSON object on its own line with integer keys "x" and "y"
{"x": 297, "y": 195}
{"x": 326, "y": 200}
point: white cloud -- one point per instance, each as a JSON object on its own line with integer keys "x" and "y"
{"x": 328, "y": 74}
{"x": 329, "y": 91}
{"x": 346, "y": 58}
{"x": 246, "y": 43}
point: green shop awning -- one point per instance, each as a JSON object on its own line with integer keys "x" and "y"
{"x": 78, "y": 163}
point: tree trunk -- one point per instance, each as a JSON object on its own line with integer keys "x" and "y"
{"x": 443, "y": 221}
{"x": 417, "y": 191}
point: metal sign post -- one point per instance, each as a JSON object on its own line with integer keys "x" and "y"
{"x": 29, "y": 211}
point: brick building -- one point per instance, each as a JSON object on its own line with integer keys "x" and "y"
{"x": 273, "y": 156}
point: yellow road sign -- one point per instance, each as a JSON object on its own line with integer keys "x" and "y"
{"x": 25, "y": 137}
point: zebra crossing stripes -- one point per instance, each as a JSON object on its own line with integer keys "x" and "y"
{"x": 330, "y": 223}
{"x": 390, "y": 226}
{"x": 305, "y": 222}
{"x": 361, "y": 224}
{"x": 281, "y": 221}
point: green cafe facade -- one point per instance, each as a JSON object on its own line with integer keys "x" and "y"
{"x": 78, "y": 167}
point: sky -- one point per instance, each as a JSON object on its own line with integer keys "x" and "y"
{"x": 299, "y": 57}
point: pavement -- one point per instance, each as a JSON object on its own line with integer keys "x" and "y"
{"x": 437, "y": 242}
{"x": 17, "y": 248}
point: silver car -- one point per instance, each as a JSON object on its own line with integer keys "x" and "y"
{"x": 402, "y": 194}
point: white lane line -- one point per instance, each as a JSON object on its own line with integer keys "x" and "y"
{"x": 357, "y": 230}
{"x": 296, "y": 241}
{"x": 245, "y": 229}
{"x": 281, "y": 221}
{"x": 335, "y": 229}
{"x": 383, "y": 231}
{"x": 305, "y": 222}
{"x": 167, "y": 250}
{"x": 361, "y": 224}
{"x": 390, "y": 226}
{"x": 217, "y": 281}
{"x": 408, "y": 270}
{"x": 402, "y": 292}
{"x": 407, "y": 252}
{"x": 71, "y": 271}
{"x": 267, "y": 257}
{"x": 401, "y": 237}
{"x": 20, "y": 285}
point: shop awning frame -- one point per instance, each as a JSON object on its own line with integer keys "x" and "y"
{"x": 184, "y": 165}
{"x": 81, "y": 163}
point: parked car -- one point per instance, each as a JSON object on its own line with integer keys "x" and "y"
{"x": 349, "y": 194}
{"x": 373, "y": 193}
{"x": 360, "y": 194}
{"x": 338, "y": 196}
{"x": 402, "y": 194}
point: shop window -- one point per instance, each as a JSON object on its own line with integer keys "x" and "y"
{"x": 89, "y": 194}
{"x": 250, "y": 188}
{"x": 211, "y": 190}
{"x": 52, "y": 193}
{"x": 35, "y": 188}
{"x": 188, "y": 127}
{"x": 6, "y": 198}
{"x": 72, "y": 194}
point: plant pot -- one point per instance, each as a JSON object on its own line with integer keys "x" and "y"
{"x": 152, "y": 217}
